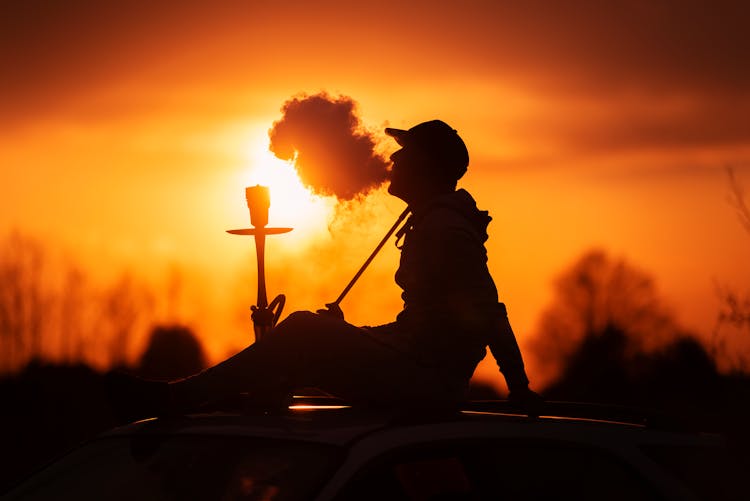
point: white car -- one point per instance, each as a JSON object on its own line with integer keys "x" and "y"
{"x": 327, "y": 451}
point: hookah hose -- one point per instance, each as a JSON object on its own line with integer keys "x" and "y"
{"x": 372, "y": 256}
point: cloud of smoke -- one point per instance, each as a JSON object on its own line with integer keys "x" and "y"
{"x": 332, "y": 152}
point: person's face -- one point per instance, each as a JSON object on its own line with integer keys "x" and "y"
{"x": 407, "y": 174}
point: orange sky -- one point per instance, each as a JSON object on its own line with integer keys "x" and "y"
{"x": 129, "y": 133}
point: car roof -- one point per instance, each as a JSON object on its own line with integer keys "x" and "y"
{"x": 326, "y": 420}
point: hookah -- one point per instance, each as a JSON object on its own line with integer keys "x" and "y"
{"x": 265, "y": 315}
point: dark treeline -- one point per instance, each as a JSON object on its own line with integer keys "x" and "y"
{"x": 679, "y": 378}
{"x": 49, "y": 408}
{"x": 610, "y": 339}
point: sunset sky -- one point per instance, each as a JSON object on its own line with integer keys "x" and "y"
{"x": 130, "y": 129}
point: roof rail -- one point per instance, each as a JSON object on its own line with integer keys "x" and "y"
{"x": 650, "y": 418}
{"x": 561, "y": 409}
{"x": 317, "y": 401}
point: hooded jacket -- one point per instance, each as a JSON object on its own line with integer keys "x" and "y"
{"x": 451, "y": 310}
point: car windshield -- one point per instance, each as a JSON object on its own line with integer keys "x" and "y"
{"x": 184, "y": 467}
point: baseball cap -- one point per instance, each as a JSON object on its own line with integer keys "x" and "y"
{"x": 439, "y": 141}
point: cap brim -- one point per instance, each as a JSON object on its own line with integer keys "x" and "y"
{"x": 398, "y": 134}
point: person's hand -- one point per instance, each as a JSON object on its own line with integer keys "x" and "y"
{"x": 527, "y": 400}
{"x": 332, "y": 309}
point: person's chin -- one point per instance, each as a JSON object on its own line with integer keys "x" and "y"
{"x": 398, "y": 195}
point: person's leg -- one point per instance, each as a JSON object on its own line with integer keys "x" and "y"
{"x": 353, "y": 364}
{"x": 308, "y": 349}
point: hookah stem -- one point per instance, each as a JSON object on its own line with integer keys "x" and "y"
{"x": 372, "y": 256}
{"x": 260, "y": 244}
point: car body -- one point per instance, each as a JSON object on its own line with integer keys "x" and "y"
{"x": 326, "y": 450}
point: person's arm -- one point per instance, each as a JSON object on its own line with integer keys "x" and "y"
{"x": 504, "y": 348}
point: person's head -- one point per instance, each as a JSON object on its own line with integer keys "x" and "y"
{"x": 431, "y": 160}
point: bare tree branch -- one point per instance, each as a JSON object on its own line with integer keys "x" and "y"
{"x": 737, "y": 199}
{"x": 734, "y": 310}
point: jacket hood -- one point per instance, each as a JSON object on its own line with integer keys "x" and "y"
{"x": 463, "y": 203}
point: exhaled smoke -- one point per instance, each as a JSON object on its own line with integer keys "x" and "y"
{"x": 334, "y": 154}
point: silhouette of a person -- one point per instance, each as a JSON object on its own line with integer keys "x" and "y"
{"x": 428, "y": 354}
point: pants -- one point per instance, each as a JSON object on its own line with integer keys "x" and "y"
{"x": 314, "y": 350}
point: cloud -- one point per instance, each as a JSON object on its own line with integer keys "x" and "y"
{"x": 59, "y": 55}
{"x": 596, "y": 124}
{"x": 332, "y": 152}
{"x": 62, "y": 55}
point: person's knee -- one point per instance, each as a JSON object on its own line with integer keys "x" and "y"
{"x": 296, "y": 322}
{"x": 305, "y": 327}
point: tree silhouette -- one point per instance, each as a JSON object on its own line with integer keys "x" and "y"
{"x": 599, "y": 295}
{"x": 173, "y": 352}
{"x": 737, "y": 199}
{"x": 610, "y": 340}
{"x": 735, "y": 307}
{"x": 122, "y": 306}
{"x": 679, "y": 376}
{"x": 23, "y": 299}
{"x": 73, "y": 309}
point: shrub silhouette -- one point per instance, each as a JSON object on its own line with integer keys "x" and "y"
{"x": 173, "y": 352}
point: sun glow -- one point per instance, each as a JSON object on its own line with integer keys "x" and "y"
{"x": 292, "y": 204}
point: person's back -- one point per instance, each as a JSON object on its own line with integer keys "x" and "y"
{"x": 450, "y": 299}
